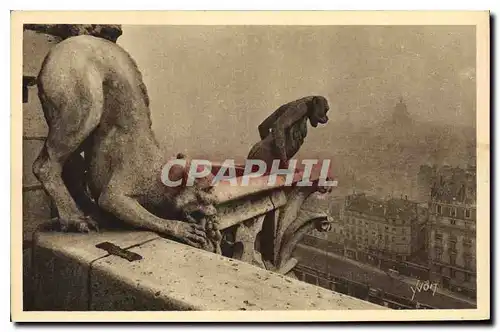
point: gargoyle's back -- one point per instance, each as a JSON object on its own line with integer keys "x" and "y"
{"x": 83, "y": 64}
{"x": 80, "y": 52}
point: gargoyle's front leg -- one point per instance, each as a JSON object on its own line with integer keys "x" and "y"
{"x": 130, "y": 211}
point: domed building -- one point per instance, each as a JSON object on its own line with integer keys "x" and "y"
{"x": 401, "y": 116}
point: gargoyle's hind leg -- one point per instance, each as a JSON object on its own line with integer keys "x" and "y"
{"x": 74, "y": 177}
{"x": 70, "y": 123}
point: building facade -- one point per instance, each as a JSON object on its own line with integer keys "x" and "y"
{"x": 452, "y": 229}
{"x": 383, "y": 229}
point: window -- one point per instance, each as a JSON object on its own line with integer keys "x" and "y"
{"x": 453, "y": 211}
{"x": 468, "y": 262}
{"x": 466, "y": 277}
{"x": 403, "y": 238}
{"x": 439, "y": 252}
{"x": 467, "y": 244}
{"x": 453, "y": 222}
{"x": 452, "y": 242}
{"x": 438, "y": 208}
{"x": 453, "y": 273}
{"x": 453, "y": 259}
{"x": 467, "y": 213}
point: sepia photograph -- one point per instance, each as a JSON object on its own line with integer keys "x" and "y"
{"x": 325, "y": 163}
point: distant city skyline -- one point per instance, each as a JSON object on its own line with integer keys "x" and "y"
{"x": 210, "y": 86}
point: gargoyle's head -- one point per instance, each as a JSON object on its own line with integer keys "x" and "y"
{"x": 197, "y": 199}
{"x": 324, "y": 225}
{"x": 317, "y": 111}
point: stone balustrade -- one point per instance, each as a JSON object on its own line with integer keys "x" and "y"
{"x": 73, "y": 274}
{"x": 261, "y": 223}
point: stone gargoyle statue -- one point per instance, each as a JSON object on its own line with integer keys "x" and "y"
{"x": 284, "y": 131}
{"x": 101, "y": 162}
{"x": 100, "y": 138}
{"x": 268, "y": 240}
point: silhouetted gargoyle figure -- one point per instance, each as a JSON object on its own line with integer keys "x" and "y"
{"x": 283, "y": 132}
{"x": 94, "y": 100}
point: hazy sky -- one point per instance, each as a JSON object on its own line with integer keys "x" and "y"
{"x": 210, "y": 86}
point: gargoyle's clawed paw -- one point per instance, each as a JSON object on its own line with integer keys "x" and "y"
{"x": 193, "y": 234}
{"x": 216, "y": 235}
{"x": 209, "y": 190}
{"x": 207, "y": 210}
{"x": 206, "y": 197}
{"x": 190, "y": 219}
{"x": 81, "y": 224}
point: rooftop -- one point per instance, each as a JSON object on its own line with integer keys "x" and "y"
{"x": 393, "y": 208}
{"x": 455, "y": 185}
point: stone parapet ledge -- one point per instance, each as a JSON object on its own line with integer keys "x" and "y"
{"x": 71, "y": 273}
{"x": 110, "y": 32}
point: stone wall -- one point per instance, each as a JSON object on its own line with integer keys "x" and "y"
{"x": 37, "y": 41}
{"x": 74, "y": 273}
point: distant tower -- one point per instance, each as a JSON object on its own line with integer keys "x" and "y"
{"x": 401, "y": 116}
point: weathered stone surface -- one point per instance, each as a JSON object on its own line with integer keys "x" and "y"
{"x": 60, "y": 281}
{"x": 246, "y": 235}
{"x": 172, "y": 276}
{"x": 317, "y": 202}
{"x": 27, "y": 278}
{"x": 35, "y": 48}
{"x": 34, "y": 123}
{"x": 234, "y": 212}
{"x": 36, "y": 211}
{"x": 225, "y": 191}
{"x": 31, "y": 150}
{"x": 83, "y": 246}
{"x": 107, "y": 31}
{"x": 62, "y": 265}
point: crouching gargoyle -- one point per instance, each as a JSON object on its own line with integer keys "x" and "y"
{"x": 95, "y": 102}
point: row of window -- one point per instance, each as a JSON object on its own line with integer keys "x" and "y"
{"x": 452, "y": 211}
{"x": 364, "y": 231}
{"x": 374, "y": 225}
{"x": 454, "y": 274}
{"x": 452, "y": 240}
{"x": 379, "y": 238}
{"x": 354, "y": 221}
{"x": 468, "y": 259}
